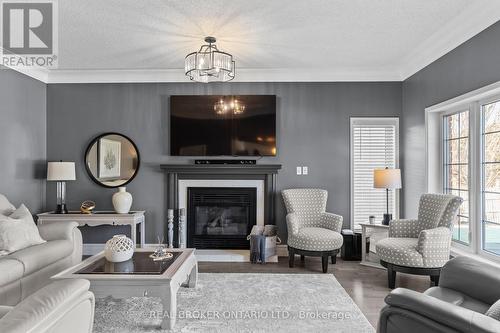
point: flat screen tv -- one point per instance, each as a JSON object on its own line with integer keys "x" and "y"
{"x": 215, "y": 125}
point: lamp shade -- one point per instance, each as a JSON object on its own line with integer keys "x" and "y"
{"x": 387, "y": 178}
{"x": 61, "y": 171}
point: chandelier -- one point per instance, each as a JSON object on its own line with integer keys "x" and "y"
{"x": 235, "y": 107}
{"x": 209, "y": 64}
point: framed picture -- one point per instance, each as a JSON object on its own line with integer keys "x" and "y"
{"x": 109, "y": 158}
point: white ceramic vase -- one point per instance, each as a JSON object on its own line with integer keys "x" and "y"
{"x": 122, "y": 201}
{"x": 119, "y": 248}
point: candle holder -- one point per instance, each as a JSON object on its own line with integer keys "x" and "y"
{"x": 170, "y": 226}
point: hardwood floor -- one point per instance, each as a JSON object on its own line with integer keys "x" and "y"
{"x": 367, "y": 286}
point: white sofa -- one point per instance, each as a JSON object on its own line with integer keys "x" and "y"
{"x": 61, "y": 307}
{"x": 25, "y": 271}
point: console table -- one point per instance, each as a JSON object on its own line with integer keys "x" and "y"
{"x": 133, "y": 219}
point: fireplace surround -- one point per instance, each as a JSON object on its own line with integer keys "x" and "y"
{"x": 261, "y": 178}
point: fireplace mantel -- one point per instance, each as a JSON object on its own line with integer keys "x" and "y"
{"x": 265, "y": 172}
{"x": 218, "y": 169}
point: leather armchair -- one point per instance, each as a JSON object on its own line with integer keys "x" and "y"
{"x": 420, "y": 246}
{"x": 311, "y": 230}
{"x": 462, "y": 302}
{"x": 60, "y": 307}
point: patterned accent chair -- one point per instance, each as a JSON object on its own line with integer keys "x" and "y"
{"x": 420, "y": 246}
{"x": 311, "y": 230}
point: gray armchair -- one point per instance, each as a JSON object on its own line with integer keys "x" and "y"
{"x": 311, "y": 230}
{"x": 420, "y": 246}
{"x": 467, "y": 300}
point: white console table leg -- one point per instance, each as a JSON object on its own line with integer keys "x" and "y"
{"x": 133, "y": 233}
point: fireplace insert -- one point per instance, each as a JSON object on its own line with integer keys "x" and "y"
{"x": 220, "y": 217}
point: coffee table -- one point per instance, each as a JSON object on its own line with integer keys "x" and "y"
{"x": 139, "y": 277}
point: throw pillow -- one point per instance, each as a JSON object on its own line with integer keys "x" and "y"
{"x": 494, "y": 310}
{"x": 18, "y": 231}
{"x": 6, "y": 208}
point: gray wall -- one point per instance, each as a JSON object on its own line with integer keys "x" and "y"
{"x": 472, "y": 65}
{"x": 312, "y": 125}
{"x": 22, "y": 139}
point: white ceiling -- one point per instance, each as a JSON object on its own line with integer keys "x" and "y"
{"x": 271, "y": 40}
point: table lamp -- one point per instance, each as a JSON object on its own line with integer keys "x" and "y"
{"x": 61, "y": 172}
{"x": 388, "y": 179}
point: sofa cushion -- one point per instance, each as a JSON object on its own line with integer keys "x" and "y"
{"x": 400, "y": 251}
{"x": 18, "y": 231}
{"x": 11, "y": 270}
{"x": 316, "y": 239}
{"x": 6, "y": 208}
{"x": 36, "y": 257}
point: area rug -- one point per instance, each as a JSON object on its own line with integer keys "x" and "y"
{"x": 240, "y": 302}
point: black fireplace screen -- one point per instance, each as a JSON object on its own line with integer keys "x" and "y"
{"x": 220, "y": 217}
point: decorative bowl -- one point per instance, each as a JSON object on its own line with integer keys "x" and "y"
{"x": 119, "y": 248}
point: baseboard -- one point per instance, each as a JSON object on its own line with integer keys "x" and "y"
{"x": 90, "y": 249}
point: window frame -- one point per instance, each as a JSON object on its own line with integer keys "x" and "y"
{"x": 480, "y": 199}
{"x": 443, "y": 171}
{"x": 472, "y": 101}
{"x": 383, "y": 120}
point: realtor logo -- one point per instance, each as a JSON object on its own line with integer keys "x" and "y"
{"x": 29, "y": 35}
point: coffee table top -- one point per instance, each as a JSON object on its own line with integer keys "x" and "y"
{"x": 140, "y": 263}
{"x": 140, "y": 266}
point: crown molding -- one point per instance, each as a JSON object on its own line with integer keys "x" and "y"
{"x": 242, "y": 75}
{"x": 37, "y": 73}
{"x": 470, "y": 22}
{"x": 478, "y": 16}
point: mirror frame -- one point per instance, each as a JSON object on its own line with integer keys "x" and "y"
{"x": 94, "y": 141}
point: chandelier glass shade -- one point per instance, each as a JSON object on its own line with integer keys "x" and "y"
{"x": 234, "y": 106}
{"x": 209, "y": 64}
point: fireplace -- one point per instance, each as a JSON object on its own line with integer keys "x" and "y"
{"x": 220, "y": 217}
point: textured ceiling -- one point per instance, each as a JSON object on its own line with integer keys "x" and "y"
{"x": 318, "y": 35}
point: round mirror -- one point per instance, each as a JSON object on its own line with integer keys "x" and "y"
{"x": 112, "y": 160}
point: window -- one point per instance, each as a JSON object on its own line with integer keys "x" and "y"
{"x": 374, "y": 145}
{"x": 456, "y": 168}
{"x": 463, "y": 158}
{"x": 490, "y": 170}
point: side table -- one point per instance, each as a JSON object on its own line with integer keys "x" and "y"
{"x": 366, "y": 230}
{"x": 133, "y": 219}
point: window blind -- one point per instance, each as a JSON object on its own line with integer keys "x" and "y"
{"x": 373, "y": 146}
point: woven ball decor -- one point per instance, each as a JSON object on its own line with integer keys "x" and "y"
{"x": 119, "y": 248}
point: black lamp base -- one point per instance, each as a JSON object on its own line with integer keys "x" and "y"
{"x": 61, "y": 209}
{"x": 387, "y": 219}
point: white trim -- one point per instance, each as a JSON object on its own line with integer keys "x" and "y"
{"x": 373, "y": 121}
{"x": 243, "y": 75}
{"x": 37, "y": 73}
{"x": 470, "y": 22}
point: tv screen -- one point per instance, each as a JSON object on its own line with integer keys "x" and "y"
{"x": 243, "y": 125}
